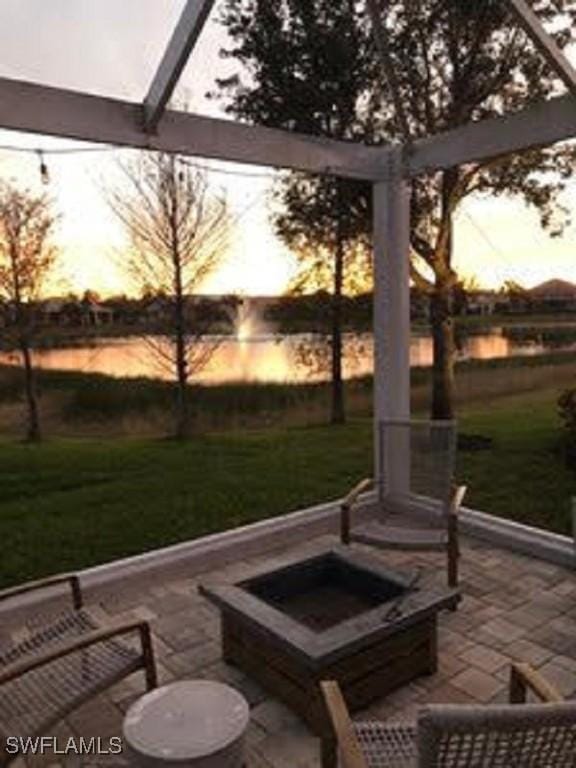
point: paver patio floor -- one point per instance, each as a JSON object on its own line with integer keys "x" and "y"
{"x": 514, "y": 608}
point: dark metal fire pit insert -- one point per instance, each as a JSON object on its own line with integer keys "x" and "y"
{"x": 326, "y": 618}
{"x": 324, "y": 591}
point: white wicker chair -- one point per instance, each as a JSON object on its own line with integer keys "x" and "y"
{"x": 517, "y": 735}
{"x": 421, "y": 457}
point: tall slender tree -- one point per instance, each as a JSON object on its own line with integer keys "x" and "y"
{"x": 323, "y": 219}
{"x": 455, "y": 61}
{"x": 178, "y": 232}
{"x": 324, "y": 222}
{"x": 27, "y": 258}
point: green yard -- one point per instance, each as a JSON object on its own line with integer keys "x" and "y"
{"x": 71, "y": 503}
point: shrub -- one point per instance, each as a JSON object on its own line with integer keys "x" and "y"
{"x": 105, "y": 398}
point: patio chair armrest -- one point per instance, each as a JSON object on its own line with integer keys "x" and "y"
{"x": 346, "y": 505}
{"x": 352, "y": 497}
{"x": 92, "y": 638}
{"x": 349, "y": 747}
{"x": 523, "y": 678}
{"x": 456, "y": 498}
{"x": 31, "y": 586}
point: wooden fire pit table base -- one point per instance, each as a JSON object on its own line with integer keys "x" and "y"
{"x": 329, "y": 618}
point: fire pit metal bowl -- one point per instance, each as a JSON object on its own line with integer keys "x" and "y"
{"x": 341, "y": 616}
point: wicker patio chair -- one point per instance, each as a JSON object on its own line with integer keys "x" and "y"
{"x": 517, "y": 735}
{"x": 55, "y": 662}
{"x": 421, "y": 512}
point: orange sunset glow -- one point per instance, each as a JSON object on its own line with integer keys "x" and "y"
{"x": 496, "y": 240}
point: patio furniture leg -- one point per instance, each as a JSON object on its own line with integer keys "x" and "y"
{"x": 345, "y": 524}
{"x": 148, "y": 656}
{"x": 453, "y": 548}
{"x": 329, "y": 752}
{"x": 453, "y": 551}
{"x": 524, "y": 678}
{"x": 347, "y": 504}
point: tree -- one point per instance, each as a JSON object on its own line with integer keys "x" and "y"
{"x": 455, "y": 62}
{"x": 323, "y": 219}
{"x": 177, "y": 232}
{"x": 463, "y": 289}
{"x": 519, "y": 298}
{"x": 27, "y": 257}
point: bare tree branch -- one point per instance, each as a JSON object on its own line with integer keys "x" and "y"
{"x": 178, "y": 232}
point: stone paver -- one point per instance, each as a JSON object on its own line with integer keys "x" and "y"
{"x": 479, "y": 685}
{"x": 504, "y": 630}
{"x": 485, "y": 658}
{"x": 514, "y": 608}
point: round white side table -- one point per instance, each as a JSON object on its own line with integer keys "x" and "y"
{"x": 197, "y": 723}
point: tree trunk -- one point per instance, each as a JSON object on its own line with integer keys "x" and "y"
{"x": 441, "y": 309}
{"x": 443, "y": 348}
{"x": 182, "y": 409}
{"x": 337, "y": 415}
{"x": 33, "y": 433}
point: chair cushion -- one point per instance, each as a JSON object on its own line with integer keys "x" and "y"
{"x": 387, "y": 746}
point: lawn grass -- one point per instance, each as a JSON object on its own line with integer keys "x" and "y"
{"x": 523, "y": 476}
{"x": 68, "y": 504}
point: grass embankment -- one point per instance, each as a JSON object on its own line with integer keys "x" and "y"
{"x": 79, "y": 404}
{"x": 94, "y": 405}
{"x": 68, "y": 504}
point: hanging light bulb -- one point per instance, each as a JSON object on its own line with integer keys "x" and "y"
{"x": 182, "y": 166}
{"x": 44, "y": 173}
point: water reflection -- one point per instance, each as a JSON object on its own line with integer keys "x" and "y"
{"x": 296, "y": 358}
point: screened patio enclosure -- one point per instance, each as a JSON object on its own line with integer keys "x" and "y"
{"x": 33, "y": 99}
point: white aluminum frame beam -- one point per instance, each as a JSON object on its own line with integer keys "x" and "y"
{"x": 57, "y": 112}
{"x": 541, "y": 125}
{"x": 180, "y": 47}
{"x": 544, "y": 42}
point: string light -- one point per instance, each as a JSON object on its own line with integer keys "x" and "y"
{"x": 56, "y": 150}
{"x": 42, "y": 153}
{"x": 44, "y": 174}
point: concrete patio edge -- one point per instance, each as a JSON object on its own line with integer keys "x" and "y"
{"x": 220, "y": 549}
{"x": 535, "y": 542}
{"x": 250, "y": 540}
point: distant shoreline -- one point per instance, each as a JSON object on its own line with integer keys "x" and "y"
{"x": 95, "y": 404}
{"x": 71, "y": 337}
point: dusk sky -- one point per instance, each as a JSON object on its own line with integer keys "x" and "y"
{"x": 112, "y": 48}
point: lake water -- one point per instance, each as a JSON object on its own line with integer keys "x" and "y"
{"x": 292, "y": 358}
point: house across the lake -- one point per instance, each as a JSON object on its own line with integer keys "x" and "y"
{"x": 73, "y": 312}
{"x": 482, "y": 302}
{"x": 554, "y": 295}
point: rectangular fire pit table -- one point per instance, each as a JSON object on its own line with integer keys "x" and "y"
{"x": 329, "y": 617}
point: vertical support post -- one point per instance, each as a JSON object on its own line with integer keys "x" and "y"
{"x": 392, "y": 323}
{"x": 573, "y": 515}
